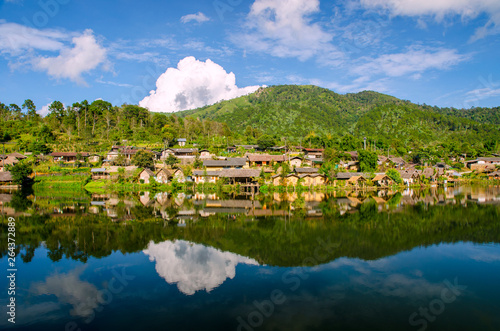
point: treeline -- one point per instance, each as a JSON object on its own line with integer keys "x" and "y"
{"x": 307, "y": 116}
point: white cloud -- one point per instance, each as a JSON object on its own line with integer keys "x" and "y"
{"x": 45, "y": 110}
{"x": 466, "y": 9}
{"x": 284, "y": 29}
{"x": 71, "y": 63}
{"x": 413, "y": 62}
{"x": 198, "y": 17}
{"x": 16, "y": 39}
{"x": 70, "y": 289}
{"x": 193, "y": 84}
{"x": 194, "y": 267}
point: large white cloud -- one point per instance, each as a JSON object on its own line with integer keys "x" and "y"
{"x": 16, "y": 38}
{"x": 194, "y": 267}
{"x": 191, "y": 85}
{"x": 467, "y": 9}
{"x": 284, "y": 29}
{"x": 71, "y": 63}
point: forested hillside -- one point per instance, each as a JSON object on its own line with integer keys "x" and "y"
{"x": 307, "y": 115}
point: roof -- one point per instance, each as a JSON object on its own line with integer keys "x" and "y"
{"x": 495, "y": 174}
{"x": 164, "y": 170}
{"x": 184, "y": 150}
{"x": 149, "y": 172}
{"x": 248, "y": 146}
{"x": 265, "y": 158}
{"x": 5, "y": 176}
{"x": 17, "y": 155}
{"x": 428, "y": 172}
{"x": 489, "y": 159}
{"x": 398, "y": 160}
{"x": 182, "y": 139}
{"x": 347, "y": 175}
{"x": 56, "y": 154}
{"x": 313, "y": 149}
{"x": 356, "y": 178}
{"x": 306, "y": 170}
{"x": 311, "y": 175}
{"x": 213, "y": 173}
{"x": 380, "y": 177}
{"x": 98, "y": 170}
{"x": 9, "y": 160}
{"x": 229, "y": 162}
{"x": 239, "y": 173}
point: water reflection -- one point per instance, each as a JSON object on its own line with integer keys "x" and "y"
{"x": 194, "y": 267}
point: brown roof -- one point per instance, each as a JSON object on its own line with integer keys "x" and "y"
{"x": 356, "y": 178}
{"x": 5, "y": 176}
{"x": 9, "y": 160}
{"x": 240, "y": 173}
{"x": 17, "y": 155}
{"x": 164, "y": 170}
{"x": 265, "y": 158}
{"x": 380, "y": 177}
{"x": 149, "y": 172}
{"x": 306, "y": 170}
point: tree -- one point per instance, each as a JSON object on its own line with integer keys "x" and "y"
{"x": 20, "y": 173}
{"x": 265, "y": 141}
{"x": 143, "y": 159}
{"x": 368, "y": 160}
{"x": 394, "y": 175}
{"x": 171, "y": 160}
{"x": 30, "y": 107}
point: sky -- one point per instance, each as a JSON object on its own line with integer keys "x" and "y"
{"x": 175, "y": 55}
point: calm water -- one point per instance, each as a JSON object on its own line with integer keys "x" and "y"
{"x": 411, "y": 260}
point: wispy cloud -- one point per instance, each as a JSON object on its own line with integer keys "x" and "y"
{"x": 285, "y": 29}
{"x": 198, "y": 17}
{"x": 415, "y": 61}
{"x": 466, "y": 9}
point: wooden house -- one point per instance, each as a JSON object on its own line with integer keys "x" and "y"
{"x": 295, "y": 162}
{"x": 264, "y": 159}
{"x": 382, "y": 180}
{"x": 5, "y": 178}
{"x": 312, "y": 179}
{"x": 356, "y": 180}
{"x": 241, "y": 176}
{"x": 69, "y": 157}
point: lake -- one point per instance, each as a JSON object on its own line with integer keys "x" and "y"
{"x": 411, "y": 260}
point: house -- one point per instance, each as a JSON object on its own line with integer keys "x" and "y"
{"x": 312, "y": 179}
{"x": 228, "y": 163}
{"x": 7, "y": 161}
{"x": 205, "y": 154}
{"x": 163, "y": 175}
{"x": 264, "y": 159}
{"x": 5, "y": 178}
{"x": 18, "y": 156}
{"x": 181, "y": 141}
{"x": 304, "y": 171}
{"x": 356, "y": 180}
{"x": 179, "y": 176}
{"x": 246, "y": 176}
{"x": 203, "y": 176}
{"x": 94, "y": 158}
{"x": 409, "y": 177}
{"x": 429, "y": 174}
{"x": 494, "y": 175}
{"x": 69, "y": 157}
{"x": 291, "y": 180}
{"x": 399, "y": 163}
{"x": 382, "y": 180}
{"x": 354, "y": 155}
{"x": 99, "y": 173}
{"x": 295, "y": 162}
{"x": 145, "y": 176}
{"x": 313, "y": 153}
{"x": 481, "y": 162}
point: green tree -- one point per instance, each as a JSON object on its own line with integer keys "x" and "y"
{"x": 367, "y": 160}
{"x": 20, "y": 173}
{"x": 171, "y": 160}
{"x": 395, "y": 176}
{"x": 265, "y": 141}
{"x": 143, "y": 159}
{"x": 30, "y": 107}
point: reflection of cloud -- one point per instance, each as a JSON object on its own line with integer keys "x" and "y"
{"x": 70, "y": 289}
{"x": 194, "y": 267}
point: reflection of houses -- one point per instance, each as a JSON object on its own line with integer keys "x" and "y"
{"x": 264, "y": 159}
{"x": 229, "y": 163}
{"x": 69, "y": 157}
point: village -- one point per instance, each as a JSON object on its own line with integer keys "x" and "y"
{"x": 250, "y": 166}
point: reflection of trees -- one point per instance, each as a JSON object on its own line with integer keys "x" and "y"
{"x": 20, "y": 201}
{"x": 367, "y": 234}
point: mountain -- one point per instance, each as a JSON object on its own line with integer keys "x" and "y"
{"x": 298, "y": 111}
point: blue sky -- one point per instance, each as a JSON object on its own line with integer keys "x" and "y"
{"x": 438, "y": 52}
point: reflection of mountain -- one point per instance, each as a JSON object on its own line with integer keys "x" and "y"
{"x": 193, "y": 267}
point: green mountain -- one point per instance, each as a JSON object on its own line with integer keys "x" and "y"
{"x": 301, "y": 111}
